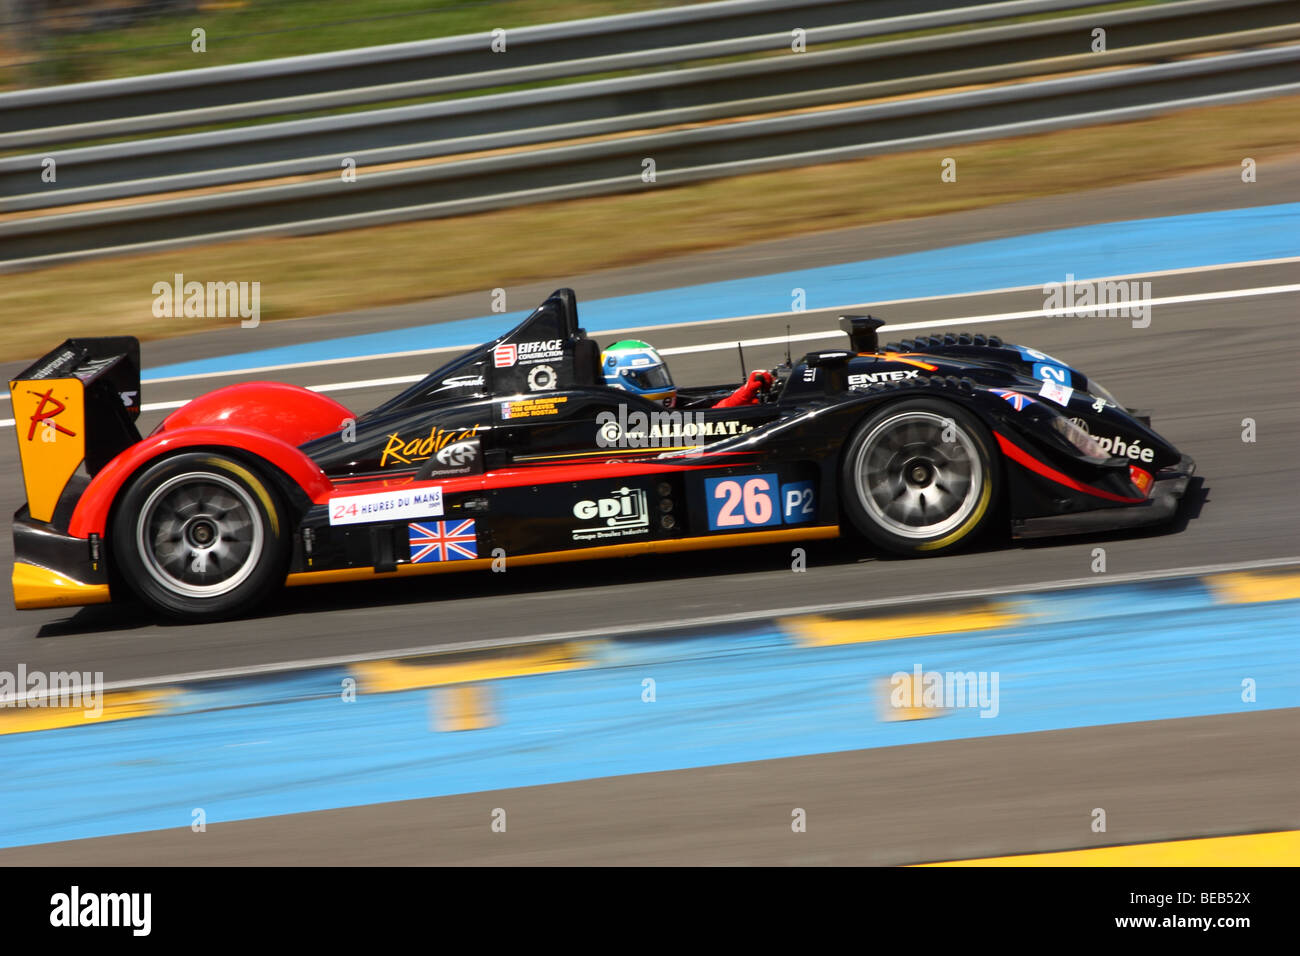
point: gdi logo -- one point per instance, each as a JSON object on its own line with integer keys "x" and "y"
{"x": 625, "y": 508}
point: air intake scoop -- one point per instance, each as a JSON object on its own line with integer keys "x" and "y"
{"x": 862, "y": 332}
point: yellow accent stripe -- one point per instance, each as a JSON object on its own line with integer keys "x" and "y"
{"x": 463, "y": 707}
{"x": 382, "y": 677}
{"x": 35, "y": 587}
{"x": 577, "y": 554}
{"x": 1251, "y": 587}
{"x": 986, "y": 495}
{"x": 118, "y": 705}
{"x": 816, "y": 631}
{"x": 1253, "y": 849}
{"x": 251, "y": 480}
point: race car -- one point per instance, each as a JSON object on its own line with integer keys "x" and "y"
{"x": 518, "y": 452}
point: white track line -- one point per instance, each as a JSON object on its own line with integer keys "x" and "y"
{"x": 600, "y": 633}
{"x": 995, "y": 317}
{"x": 257, "y": 370}
{"x": 813, "y": 336}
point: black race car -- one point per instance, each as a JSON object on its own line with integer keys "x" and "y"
{"x": 518, "y": 452}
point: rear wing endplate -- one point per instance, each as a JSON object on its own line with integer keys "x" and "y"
{"x": 77, "y": 403}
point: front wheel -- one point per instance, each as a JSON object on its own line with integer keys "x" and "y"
{"x": 920, "y": 477}
{"x": 200, "y": 536}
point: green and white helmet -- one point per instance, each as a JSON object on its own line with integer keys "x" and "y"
{"x": 636, "y": 367}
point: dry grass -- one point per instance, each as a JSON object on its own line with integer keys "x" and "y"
{"x": 411, "y": 261}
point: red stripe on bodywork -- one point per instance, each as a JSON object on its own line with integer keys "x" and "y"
{"x": 1022, "y": 457}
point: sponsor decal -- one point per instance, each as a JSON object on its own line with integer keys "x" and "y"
{"x": 442, "y": 541}
{"x": 870, "y": 378}
{"x": 547, "y": 350}
{"x": 1126, "y": 448}
{"x": 1142, "y": 479}
{"x": 408, "y": 451}
{"x": 1016, "y": 400}
{"x": 386, "y": 506}
{"x": 542, "y": 378}
{"x": 457, "y": 459}
{"x": 463, "y": 381}
{"x": 461, "y": 453}
{"x": 1056, "y": 392}
{"x": 620, "y": 515}
{"x": 532, "y": 407}
{"x": 810, "y": 373}
{"x": 56, "y": 364}
{"x": 504, "y": 355}
{"x": 47, "y": 409}
{"x": 1099, "y": 405}
{"x": 1080, "y": 424}
{"x": 639, "y": 429}
{"x": 48, "y": 422}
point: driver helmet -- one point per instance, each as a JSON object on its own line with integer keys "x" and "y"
{"x": 636, "y": 367}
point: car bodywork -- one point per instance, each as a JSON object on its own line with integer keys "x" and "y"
{"x": 517, "y": 452}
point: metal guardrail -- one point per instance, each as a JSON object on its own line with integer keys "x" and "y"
{"x": 449, "y": 64}
{"x": 551, "y": 115}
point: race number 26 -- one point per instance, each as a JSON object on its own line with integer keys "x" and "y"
{"x": 757, "y": 501}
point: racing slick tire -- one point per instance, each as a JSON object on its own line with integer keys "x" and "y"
{"x": 920, "y": 477}
{"x": 200, "y": 536}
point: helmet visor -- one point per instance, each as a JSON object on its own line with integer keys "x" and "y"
{"x": 650, "y": 378}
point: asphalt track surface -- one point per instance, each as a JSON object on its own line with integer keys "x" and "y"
{"x": 964, "y": 799}
{"x": 1201, "y": 368}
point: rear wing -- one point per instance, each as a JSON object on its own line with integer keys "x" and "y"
{"x": 77, "y": 403}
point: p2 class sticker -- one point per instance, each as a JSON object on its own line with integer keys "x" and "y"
{"x": 1056, "y": 393}
{"x": 798, "y": 502}
{"x": 409, "y": 503}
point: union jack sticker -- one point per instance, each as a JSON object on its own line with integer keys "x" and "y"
{"x": 442, "y": 541}
{"x": 1017, "y": 400}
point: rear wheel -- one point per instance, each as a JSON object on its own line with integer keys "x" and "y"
{"x": 200, "y": 536}
{"x": 920, "y": 477}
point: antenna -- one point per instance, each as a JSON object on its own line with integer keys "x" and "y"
{"x": 744, "y": 376}
{"x": 787, "y": 346}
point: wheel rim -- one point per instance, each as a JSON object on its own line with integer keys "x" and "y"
{"x": 912, "y": 482}
{"x": 199, "y": 534}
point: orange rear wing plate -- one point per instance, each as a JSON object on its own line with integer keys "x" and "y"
{"x": 76, "y": 404}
